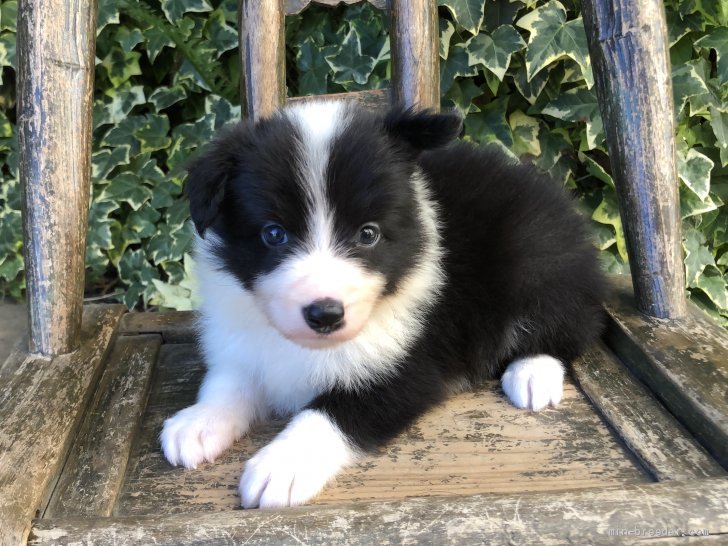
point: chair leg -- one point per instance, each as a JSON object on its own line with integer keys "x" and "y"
{"x": 262, "y": 57}
{"x": 56, "y": 46}
{"x": 415, "y": 53}
{"x": 628, "y": 45}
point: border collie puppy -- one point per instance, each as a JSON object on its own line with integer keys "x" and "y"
{"x": 354, "y": 270}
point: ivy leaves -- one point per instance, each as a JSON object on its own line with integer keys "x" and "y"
{"x": 167, "y": 78}
{"x": 522, "y": 74}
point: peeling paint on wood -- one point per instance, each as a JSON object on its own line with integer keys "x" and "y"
{"x": 41, "y": 406}
{"x": 545, "y": 518}
{"x": 628, "y": 47}
{"x": 262, "y": 57}
{"x": 663, "y": 446}
{"x": 174, "y": 327}
{"x": 683, "y": 361}
{"x": 476, "y": 442}
{"x": 414, "y": 36}
{"x": 92, "y": 476}
{"x": 55, "y": 83}
{"x": 374, "y": 99}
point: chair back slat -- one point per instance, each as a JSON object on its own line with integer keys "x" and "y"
{"x": 415, "y": 54}
{"x": 294, "y": 7}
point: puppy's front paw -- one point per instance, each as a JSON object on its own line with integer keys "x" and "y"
{"x": 295, "y": 466}
{"x": 199, "y": 433}
{"x": 534, "y": 382}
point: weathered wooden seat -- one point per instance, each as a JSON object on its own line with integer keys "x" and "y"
{"x": 639, "y": 442}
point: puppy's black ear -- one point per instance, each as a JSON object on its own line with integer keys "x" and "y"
{"x": 208, "y": 175}
{"x": 423, "y": 129}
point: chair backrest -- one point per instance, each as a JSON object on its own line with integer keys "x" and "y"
{"x": 414, "y": 46}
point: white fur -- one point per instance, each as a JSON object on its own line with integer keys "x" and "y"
{"x": 295, "y": 466}
{"x": 305, "y": 278}
{"x": 318, "y": 124}
{"x": 534, "y": 382}
{"x": 227, "y": 404}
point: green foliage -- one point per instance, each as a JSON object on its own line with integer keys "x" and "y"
{"x": 167, "y": 77}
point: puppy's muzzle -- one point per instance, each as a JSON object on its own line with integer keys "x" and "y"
{"x": 324, "y": 316}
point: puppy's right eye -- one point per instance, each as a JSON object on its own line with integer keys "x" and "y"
{"x": 274, "y": 235}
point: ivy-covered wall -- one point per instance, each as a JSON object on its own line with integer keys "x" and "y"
{"x": 167, "y": 77}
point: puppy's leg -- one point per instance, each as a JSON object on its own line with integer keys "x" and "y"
{"x": 226, "y": 405}
{"x": 534, "y": 382}
{"x": 332, "y": 433}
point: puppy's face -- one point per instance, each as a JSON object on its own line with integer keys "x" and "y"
{"x": 316, "y": 212}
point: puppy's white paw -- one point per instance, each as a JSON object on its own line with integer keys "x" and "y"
{"x": 534, "y": 382}
{"x": 295, "y": 466}
{"x": 200, "y": 433}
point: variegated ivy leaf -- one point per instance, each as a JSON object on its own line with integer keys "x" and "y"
{"x": 697, "y": 254}
{"x": 718, "y": 41}
{"x": 8, "y": 15}
{"x": 313, "y": 68}
{"x": 222, "y": 110}
{"x": 349, "y": 63}
{"x": 461, "y": 95}
{"x": 169, "y": 243}
{"x": 116, "y": 108}
{"x": 608, "y": 213}
{"x": 106, "y": 160}
{"x": 531, "y": 89}
{"x": 184, "y": 295}
{"x": 129, "y": 38}
{"x": 525, "y": 131}
{"x": 447, "y": 29}
{"x": 579, "y": 104}
{"x": 719, "y": 124}
{"x": 489, "y": 126}
{"x": 120, "y": 65}
{"x": 552, "y": 37}
{"x": 157, "y": 40}
{"x": 175, "y": 9}
{"x": 499, "y": 13}
{"x": 467, "y": 13}
{"x": 596, "y": 170}
{"x": 694, "y": 170}
{"x": 221, "y": 36}
{"x": 692, "y": 205}
{"x": 7, "y": 50}
{"x": 137, "y": 273}
{"x": 107, "y": 14}
{"x": 686, "y": 83}
{"x": 128, "y": 188}
{"x": 494, "y": 51}
{"x": 712, "y": 283}
{"x": 164, "y": 97}
{"x": 456, "y": 65}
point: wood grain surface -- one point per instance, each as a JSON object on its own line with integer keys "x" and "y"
{"x": 476, "y": 442}
{"x": 56, "y": 45}
{"x": 590, "y": 516}
{"x": 628, "y": 46}
{"x": 683, "y": 361}
{"x": 658, "y": 440}
{"x": 415, "y": 43}
{"x": 41, "y": 406}
{"x": 262, "y": 57}
{"x": 95, "y": 468}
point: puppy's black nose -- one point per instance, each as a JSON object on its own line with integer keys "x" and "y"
{"x": 324, "y": 316}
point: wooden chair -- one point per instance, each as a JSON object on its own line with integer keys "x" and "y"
{"x": 640, "y": 441}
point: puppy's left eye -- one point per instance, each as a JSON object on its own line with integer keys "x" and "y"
{"x": 274, "y": 235}
{"x": 369, "y": 235}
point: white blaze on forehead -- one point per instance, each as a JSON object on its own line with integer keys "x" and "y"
{"x": 318, "y": 125}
